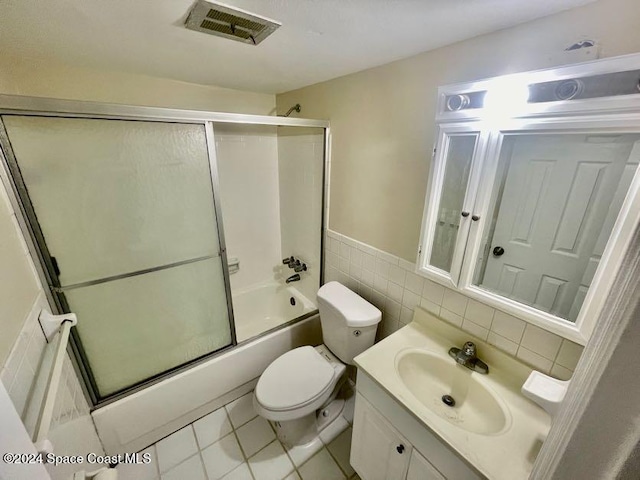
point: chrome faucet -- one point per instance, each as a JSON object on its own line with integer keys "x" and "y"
{"x": 293, "y": 278}
{"x": 466, "y": 356}
{"x": 295, "y": 263}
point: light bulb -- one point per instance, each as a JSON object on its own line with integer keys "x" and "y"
{"x": 506, "y": 97}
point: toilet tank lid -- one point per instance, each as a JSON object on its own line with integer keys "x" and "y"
{"x": 355, "y": 309}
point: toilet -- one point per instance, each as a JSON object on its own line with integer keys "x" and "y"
{"x": 298, "y": 390}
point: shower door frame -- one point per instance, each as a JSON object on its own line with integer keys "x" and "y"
{"x": 28, "y": 223}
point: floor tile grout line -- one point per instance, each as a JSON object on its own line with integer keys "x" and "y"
{"x": 164, "y": 438}
{"x": 234, "y": 429}
{"x": 158, "y": 457}
{"x": 309, "y": 459}
{"x": 242, "y": 424}
{"x": 235, "y": 434}
{"x": 181, "y": 462}
{"x": 202, "y": 464}
{"x": 324, "y": 447}
{"x": 263, "y": 448}
{"x": 295, "y": 467}
{"x": 286, "y": 451}
{"x": 213, "y": 411}
{"x": 244, "y": 455}
{"x": 336, "y": 460}
{"x": 155, "y": 444}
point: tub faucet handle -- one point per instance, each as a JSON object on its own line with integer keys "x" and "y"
{"x": 301, "y": 268}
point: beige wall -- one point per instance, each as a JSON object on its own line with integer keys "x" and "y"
{"x": 38, "y": 79}
{"x": 382, "y": 119}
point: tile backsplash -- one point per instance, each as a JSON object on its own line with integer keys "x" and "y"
{"x": 392, "y": 285}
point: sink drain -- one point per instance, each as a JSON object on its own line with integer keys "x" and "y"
{"x": 448, "y": 400}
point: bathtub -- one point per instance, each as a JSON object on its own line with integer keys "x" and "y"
{"x": 260, "y": 308}
{"x": 142, "y": 418}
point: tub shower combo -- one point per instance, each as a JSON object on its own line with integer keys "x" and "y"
{"x": 173, "y": 235}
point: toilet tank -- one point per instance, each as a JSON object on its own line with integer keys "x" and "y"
{"x": 348, "y": 321}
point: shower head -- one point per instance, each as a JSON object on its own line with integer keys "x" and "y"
{"x": 296, "y": 107}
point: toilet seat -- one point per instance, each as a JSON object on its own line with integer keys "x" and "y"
{"x": 297, "y": 383}
{"x": 294, "y": 380}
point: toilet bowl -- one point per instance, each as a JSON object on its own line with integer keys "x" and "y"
{"x": 297, "y": 391}
{"x": 295, "y": 387}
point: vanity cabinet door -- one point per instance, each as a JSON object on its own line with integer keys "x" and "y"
{"x": 421, "y": 469}
{"x": 378, "y": 451}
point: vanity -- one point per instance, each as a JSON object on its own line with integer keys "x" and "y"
{"x": 403, "y": 429}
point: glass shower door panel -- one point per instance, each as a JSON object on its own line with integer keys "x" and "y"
{"x": 116, "y": 196}
{"x": 127, "y": 209}
{"x": 135, "y": 328}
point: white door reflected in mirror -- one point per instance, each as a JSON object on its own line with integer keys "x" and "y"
{"x": 554, "y": 202}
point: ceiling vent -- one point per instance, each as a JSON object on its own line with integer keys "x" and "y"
{"x": 228, "y": 22}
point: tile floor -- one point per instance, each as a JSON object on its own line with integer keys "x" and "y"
{"x": 233, "y": 443}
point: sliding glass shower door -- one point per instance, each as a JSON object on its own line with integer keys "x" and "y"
{"x": 127, "y": 215}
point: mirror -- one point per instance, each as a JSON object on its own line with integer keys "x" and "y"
{"x": 460, "y": 151}
{"x": 553, "y": 206}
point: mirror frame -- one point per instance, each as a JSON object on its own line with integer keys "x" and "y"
{"x": 616, "y": 114}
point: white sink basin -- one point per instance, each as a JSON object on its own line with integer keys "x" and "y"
{"x": 429, "y": 376}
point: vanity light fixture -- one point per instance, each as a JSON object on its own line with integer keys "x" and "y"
{"x": 505, "y": 97}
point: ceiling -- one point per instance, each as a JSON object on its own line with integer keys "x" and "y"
{"x": 318, "y": 40}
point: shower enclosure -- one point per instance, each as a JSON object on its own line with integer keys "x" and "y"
{"x": 124, "y": 209}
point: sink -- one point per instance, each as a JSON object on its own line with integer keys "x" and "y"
{"x": 429, "y": 376}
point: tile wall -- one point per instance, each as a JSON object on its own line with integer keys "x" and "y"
{"x": 19, "y": 373}
{"x": 390, "y": 284}
{"x": 300, "y": 168}
{"x": 247, "y": 158}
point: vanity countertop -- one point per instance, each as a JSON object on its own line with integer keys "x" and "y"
{"x": 508, "y": 454}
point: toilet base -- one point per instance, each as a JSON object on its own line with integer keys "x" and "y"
{"x": 298, "y": 431}
{"x": 329, "y": 413}
{"x": 303, "y": 430}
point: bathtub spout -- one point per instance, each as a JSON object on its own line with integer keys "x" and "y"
{"x": 293, "y": 278}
